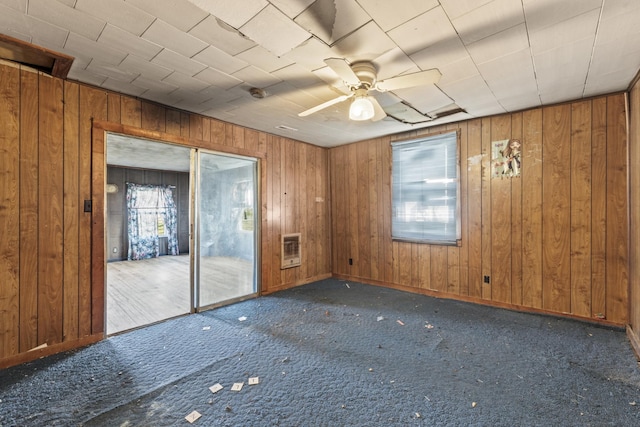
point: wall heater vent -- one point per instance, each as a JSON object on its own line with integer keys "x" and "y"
{"x": 291, "y": 250}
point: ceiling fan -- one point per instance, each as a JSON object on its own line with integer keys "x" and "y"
{"x": 361, "y": 77}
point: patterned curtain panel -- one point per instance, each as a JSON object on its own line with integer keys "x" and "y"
{"x": 152, "y": 214}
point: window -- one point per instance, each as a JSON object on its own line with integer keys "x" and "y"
{"x": 425, "y": 190}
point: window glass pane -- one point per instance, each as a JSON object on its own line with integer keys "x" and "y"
{"x": 425, "y": 189}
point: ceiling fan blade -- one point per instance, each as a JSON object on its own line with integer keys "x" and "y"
{"x": 378, "y": 112}
{"x": 324, "y": 105}
{"x": 409, "y": 80}
{"x": 343, "y": 69}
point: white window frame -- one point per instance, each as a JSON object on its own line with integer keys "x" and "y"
{"x": 412, "y": 218}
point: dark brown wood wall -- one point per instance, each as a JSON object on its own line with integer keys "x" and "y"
{"x": 50, "y": 292}
{"x": 634, "y": 213}
{"x": 553, "y": 240}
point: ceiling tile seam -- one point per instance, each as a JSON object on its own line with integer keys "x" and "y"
{"x": 533, "y": 62}
{"x": 472, "y": 60}
{"x": 410, "y": 19}
{"x": 593, "y": 49}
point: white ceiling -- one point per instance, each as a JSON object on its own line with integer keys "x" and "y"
{"x": 495, "y": 56}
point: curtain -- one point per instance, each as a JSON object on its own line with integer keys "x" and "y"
{"x": 152, "y": 214}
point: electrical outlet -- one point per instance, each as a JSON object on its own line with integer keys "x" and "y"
{"x": 350, "y": 261}
{"x": 487, "y": 279}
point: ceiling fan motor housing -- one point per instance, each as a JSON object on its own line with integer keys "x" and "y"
{"x": 366, "y": 72}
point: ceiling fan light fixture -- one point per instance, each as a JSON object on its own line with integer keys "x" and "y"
{"x": 361, "y": 109}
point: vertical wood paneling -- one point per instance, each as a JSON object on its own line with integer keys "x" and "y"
{"x": 28, "y": 210}
{"x": 532, "y": 208}
{"x": 54, "y": 293}
{"x": 598, "y": 207}
{"x": 71, "y": 196}
{"x": 617, "y": 222}
{"x": 634, "y": 213}
{"x": 486, "y": 207}
{"x": 473, "y": 200}
{"x": 50, "y": 196}
{"x": 93, "y": 106}
{"x": 131, "y": 111}
{"x": 581, "y": 208}
{"x": 9, "y": 211}
{"x": 516, "y": 221}
{"x": 464, "y": 211}
{"x": 500, "y": 226}
{"x": 556, "y": 213}
{"x": 545, "y": 238}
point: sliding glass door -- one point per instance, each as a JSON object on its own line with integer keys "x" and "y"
{"x": 225, "y": 238}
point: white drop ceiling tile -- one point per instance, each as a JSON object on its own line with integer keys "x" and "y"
{"x": 44, "y": 34}
{"x": 233, "y": 12}
{"x": 145, "y": 68}
{"x": 86, "y": 76}
{"x": 112, "y": 71}
{"x": 459, "y": 70}
{"x": 123, "y": 87}
{"x": 117, "y": 12}
{"x": 509, "y": 74}
{"x": 185, "y": 82}
{"x": 500, "y": 44}
{"x": 217, "y": 33}
{"x": 15, "y": 34}
{"x": 608, "y": 83}
{"x": 544, "y": 13}
{"x": 298, "y": 76}
{"x": 154, "y": 85}
{"x": 424, "y": 98}
{"x": 218, "y": 78}
{"x": 565, "y": 32}
{"x": 128, "y": 42}
{"x": 219, "y": 99}
{"x": 161, "y": 97}
{"x": 618, "y": 9}
{"x": 78, "y": 45}
{"x": 310, "y": 54}
{"x": 215, "y": 58}
{"x": 180, "y": 13}
{"x": 521, "y": 101}
{"x": 456, "y": 8}
{"x": 175, "y": 61}
{"x": 329, "y": 76}
{"x": 18, "y": 5}
{"x": 256, "y": 77}
{"x": 193, "y": 97}
{"x": 573, "y": 60}
{"x": 488, "y": 19}
{"x": 619, "y": 29}
{"x": 472, "y": 88}
{"x": 561, "y": 93}
{"x": 349, "y": 16}
{"x": 393, "y": 63}
{"x": 484, "y": 110}
{"x": 67, "y": 17}
{"x": 616, "y": 56}
{"x": 274, "y": 31}
{"x": 423, "y": 31}
{"x": 446, "y": 51}
{"x": 365, "y": 44}
{"x": 291, "y": 8}
{"x": 170, "y": 37}
{"x": 263, "y": 59}
{"x": 391, "y": 14}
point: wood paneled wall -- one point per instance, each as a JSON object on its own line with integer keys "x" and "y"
{"x": 634, "y": 212}
{"x": 49, "y": 166}
{"x": 554, "y": 240}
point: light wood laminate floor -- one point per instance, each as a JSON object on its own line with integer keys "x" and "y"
{"x": 147, "y": 291}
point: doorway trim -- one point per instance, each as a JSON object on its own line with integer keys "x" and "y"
{"x": 98, "y": 204}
